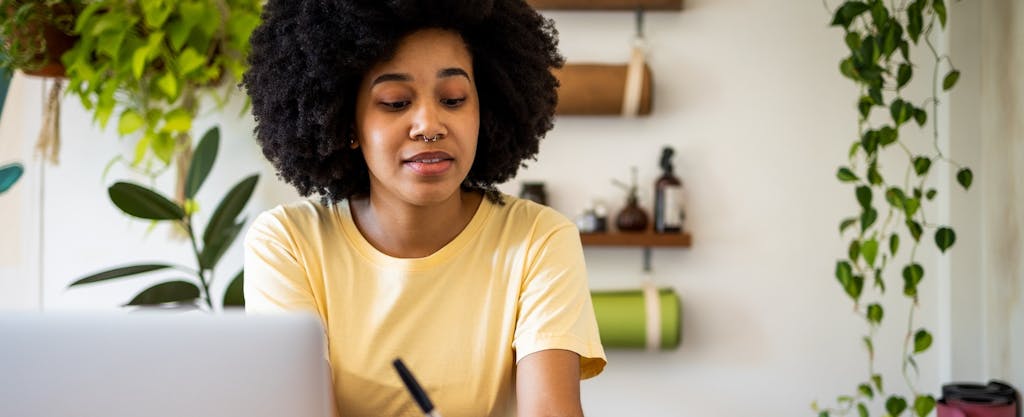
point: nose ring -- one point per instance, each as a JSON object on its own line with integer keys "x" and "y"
{"x": 434, "y": 138}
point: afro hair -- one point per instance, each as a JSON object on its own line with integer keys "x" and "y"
{"x": 309, "y": 56}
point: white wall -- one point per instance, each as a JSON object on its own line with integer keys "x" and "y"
{"x": 749, "y": 94}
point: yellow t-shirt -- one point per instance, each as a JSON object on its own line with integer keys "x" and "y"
{"x": 512, "y": 283}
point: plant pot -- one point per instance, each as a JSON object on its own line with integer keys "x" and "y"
{"x": 57, "y": 41}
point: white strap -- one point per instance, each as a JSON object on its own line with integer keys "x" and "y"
{"x": 652, "y": 307}
{"x": 634, "y": 83}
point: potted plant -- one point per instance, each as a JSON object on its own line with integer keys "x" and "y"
{"x": 208, "y": 248}
{"x": 890, "y": 211}
{"x": 36, "y": 33}
{"x": 150, "y": 62}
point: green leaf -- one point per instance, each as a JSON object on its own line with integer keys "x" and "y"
{"x": 910, "y": 206}
{"x": 867, "y": 218}
{"x": 167, "y": 292}
{"x": 139, "y": 59}
{"x": 144, "y": 203}
{"x": 921, "y": 165}
{"x": 876, "y": 95}
{"x": 879, "y": 15}
{"x": 189, "y": 61}
{"x": 912, "y": 275}
{"x": 846, "y": 223}
{"x": 887, "y": 135}
{"x": 964, "y": 177}
{"x": 864, "y": 196}
{"x": 879, "y": 283}
{"x": 155, "y": 12}
{"x": 224, "y": 216}
{"x": 853, "y": 251}
{"x": 922, "y": 341}
{"x": 853, "y": 41}
{"x": 119, "y": 272}
{"x": 163, "y": 146}
{"x": 846, "y": 175}
{"x": 894, "y": 244}
{"x": 895, "y": 405}
{"x": 903, "y": 75}
{"x": 877, "y": 380}
{"x": 865, "y": 390}
{"x": 920, "y": 116}
{"x": 178, "y": 31}
{"x": 844, "y": 273}
{"x": 931, "y": 194}
{"x": 864, "y": 106}
{"x": 129, "y": 122}
{"x": 875, "y": 315}
{"x": 862, "y": 410}
{"x": 915, "y": 22}
{"x": 924, "y": 404}
{"x": 893, "y": 33}
{"x": 870, "y": 141}
{"x": 874, "y": 178}
{"x": 944, "y": 238}
{"x": 869, "y": 250}
{"x": 218, "y": 245}
{"x": 177, "y": 120}
{"x": 848, "y": 12}
{"x": 141, "y": 147}
{"x": 234, "y": 296}
{"x": 202, "y": 161}
{"x": 950, "y": 80}
{"x": 9, "y": 175}
{"x": 847, "y": 68}
{"x": 168, "y": 83}
{"x": 900, "y": 111}
{"x": 915, "y": 230}
{"x": 870, "y": 346}
{"x": 940, "y": 10}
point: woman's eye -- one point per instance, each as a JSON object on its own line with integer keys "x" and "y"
{"x": 453, "y": 102}
{"x": 395, "y": 105}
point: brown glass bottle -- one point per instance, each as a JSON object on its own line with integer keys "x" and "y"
{"x": 668, "y": 191}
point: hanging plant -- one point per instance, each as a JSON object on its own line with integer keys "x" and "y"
{"x": 150, "y": 61}
{"x": 890, "y": 211}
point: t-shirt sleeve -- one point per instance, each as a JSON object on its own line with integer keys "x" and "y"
{"x": 275, "y": 279}
{"x": 555, "y": 310}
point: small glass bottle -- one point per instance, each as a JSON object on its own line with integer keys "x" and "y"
{"x": 668, "y": 191}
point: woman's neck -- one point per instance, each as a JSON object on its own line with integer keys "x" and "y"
{"x": 404, "y": 230}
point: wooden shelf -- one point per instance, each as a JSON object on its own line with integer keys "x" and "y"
{"x": 647, "y": 5}
{"x": 639, "y": 239}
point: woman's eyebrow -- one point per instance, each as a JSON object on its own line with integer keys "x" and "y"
{"x": 391, "y": 77}
{"x": 452, "y": 72}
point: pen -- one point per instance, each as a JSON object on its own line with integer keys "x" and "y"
{"x": 417, "y": 392}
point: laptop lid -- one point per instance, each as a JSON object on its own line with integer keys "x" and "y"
{"x": 162, "y": 365}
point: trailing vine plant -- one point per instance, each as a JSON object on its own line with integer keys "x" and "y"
{"x": 879, "y": 35}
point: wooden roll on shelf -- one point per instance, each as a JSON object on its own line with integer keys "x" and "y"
{"x": 598, "y": 89}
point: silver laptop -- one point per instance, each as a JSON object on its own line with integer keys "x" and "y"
{"x": 162, "y": 365}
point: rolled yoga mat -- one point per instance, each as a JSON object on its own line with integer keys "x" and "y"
{"x": 622, "y": 318}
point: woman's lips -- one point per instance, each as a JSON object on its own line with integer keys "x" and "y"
{"x": 430, "y": 163}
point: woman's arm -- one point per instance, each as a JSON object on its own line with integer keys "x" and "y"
{"x": 548, "y": 384}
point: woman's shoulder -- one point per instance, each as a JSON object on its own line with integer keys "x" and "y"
{"x": 297, "y": 215}
{"x": 526, "y": 214}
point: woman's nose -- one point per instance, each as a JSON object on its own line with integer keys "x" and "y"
{"x": 427, "y": 124}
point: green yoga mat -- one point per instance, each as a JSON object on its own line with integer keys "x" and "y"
{"x": 622, "y": 318}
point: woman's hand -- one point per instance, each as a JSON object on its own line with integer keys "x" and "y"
{"x": 548, "y": 384}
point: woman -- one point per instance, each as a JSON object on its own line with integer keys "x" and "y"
{"x": 402, "y": 116}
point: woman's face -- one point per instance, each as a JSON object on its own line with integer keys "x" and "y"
{"x": 425, "y": 92}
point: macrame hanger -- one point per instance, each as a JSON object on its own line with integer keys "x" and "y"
{"x": 48, "y": 143}
{"x": 635, "y": 69}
